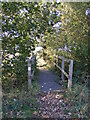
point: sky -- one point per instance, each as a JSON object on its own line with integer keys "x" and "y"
{"x": 57, "y": 1}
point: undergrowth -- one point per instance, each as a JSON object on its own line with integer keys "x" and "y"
{"x": 20, "y": 103}
{"x": 79, "y": 100}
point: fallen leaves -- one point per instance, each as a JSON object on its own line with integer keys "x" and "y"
{"x": 53, "y": 105}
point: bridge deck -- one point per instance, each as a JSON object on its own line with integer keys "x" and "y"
{"x": 47, "y": 79}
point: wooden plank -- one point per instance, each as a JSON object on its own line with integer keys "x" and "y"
{"x": 70, "y": 75}
{"x": 62, "y": 75}
{"x": 61, "y": 70}
{"x": 29, "y": 73}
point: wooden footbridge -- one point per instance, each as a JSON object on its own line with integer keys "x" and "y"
{"x": 31, "y": 68}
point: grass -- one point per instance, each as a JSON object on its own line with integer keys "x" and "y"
{"x": 79, "y": 100}
{"x": 20, "y": 103}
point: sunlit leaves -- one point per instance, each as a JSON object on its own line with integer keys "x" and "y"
{"x": 22, "y": 23}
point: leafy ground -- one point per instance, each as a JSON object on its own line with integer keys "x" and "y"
{"x": 64, "y": 104}
{"x": 53, "y": 105}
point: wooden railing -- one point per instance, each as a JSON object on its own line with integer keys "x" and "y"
{"x": 31, "y": 69}
{"x": 63, "y": 69}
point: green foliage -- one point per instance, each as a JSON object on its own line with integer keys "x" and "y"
{"x": 21, "y": 23}
{"x": 78, "y": 101}
{"x": 73, "y": 33}
{"x": 20, "y": 104}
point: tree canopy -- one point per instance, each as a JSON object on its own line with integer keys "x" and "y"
{"x": 60, "y": 26}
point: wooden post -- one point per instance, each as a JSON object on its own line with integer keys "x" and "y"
{"x": 29, "y": 73}
{"x": 58, "y": 62}
{"x": 35, "y": 62}
{"x": 62, "y": 76}
{"x": 55, "y": 61}
{"x": 70, "y": 75}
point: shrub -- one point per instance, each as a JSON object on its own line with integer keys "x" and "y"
{"x": 79, "y": 101}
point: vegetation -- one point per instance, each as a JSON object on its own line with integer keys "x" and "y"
{"x": 73, "y": 34}
{"x": 60, "y": 28}
{"x": 20, "y": 104}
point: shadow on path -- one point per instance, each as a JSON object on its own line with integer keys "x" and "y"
{"x": 46, "y": 78}
{"x": 47, "y": 81}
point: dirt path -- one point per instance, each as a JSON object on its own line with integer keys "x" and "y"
{"x": 47, "y": 79}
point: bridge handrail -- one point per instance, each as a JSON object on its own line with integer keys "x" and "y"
{"x": 65, "y": 59}
{"x": 63, "y": 69}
